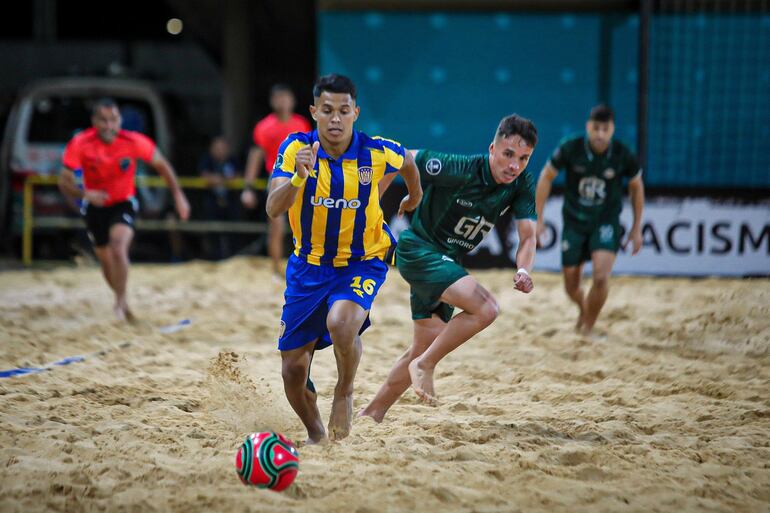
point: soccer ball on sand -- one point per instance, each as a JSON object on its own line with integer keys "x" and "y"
{"x": 267, "y": 460}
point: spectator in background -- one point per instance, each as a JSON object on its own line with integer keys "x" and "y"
{"x": 219, "y": 203}
{"x": 268, "y": 135}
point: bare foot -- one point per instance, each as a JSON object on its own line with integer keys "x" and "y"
{"x": 579, "y": 323}
{"x": 130, "y": 317}
{"x": 341, "y": 417}
{"x": 422, "y": 382}
{"x": 124, "y": 313}
{"x": 315, "y": 439}
{"x": 370, "y": 412}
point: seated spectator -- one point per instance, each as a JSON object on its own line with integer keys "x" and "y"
{"x": 219, "y": 203}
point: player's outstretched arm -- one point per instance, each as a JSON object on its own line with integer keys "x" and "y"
{"x": 636, "y": 193}
{"x": 164, "y": 169}
{"x": 542, "y": 192}
{"x": 283, "y": 191}
{"x": 525, "y": 255}
{"x": 411, "y": 176}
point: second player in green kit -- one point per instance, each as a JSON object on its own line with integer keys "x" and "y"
{"x": 597, "y": 167}
{"x": 463, "y": 198}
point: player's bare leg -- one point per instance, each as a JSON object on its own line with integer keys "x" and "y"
{"x": 295, "y": 365}
{"x": 399, "y": 380}
{"x": 480, "y": 309}
{"x": 572, "y": 277}
{"x": 104, "y": 254}
{"x": 120, "y": 241}
{"x": 344, "y": 322}
{"x": 275, "y": 233}
{"x": 601, "y": 262}
{"x": 115, "y": 267}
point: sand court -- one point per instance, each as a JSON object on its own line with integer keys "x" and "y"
{"x": 669, "y": 410}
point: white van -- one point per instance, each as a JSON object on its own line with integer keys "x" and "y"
{"x": 46, "y": 116}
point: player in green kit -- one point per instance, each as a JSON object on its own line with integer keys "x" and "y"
{"x": 463, "y": 197}
{"x": 597, "y": 165}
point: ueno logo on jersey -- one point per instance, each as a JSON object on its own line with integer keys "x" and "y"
{"x": 320, "y": 201}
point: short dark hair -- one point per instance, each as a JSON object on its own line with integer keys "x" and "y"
{"x": 281, "y": 88}
{"x": 103, "y": 103}
{"x": 334, "y": 83}
{"x": 602, "y": 113}
{"x": 517, "y": 125}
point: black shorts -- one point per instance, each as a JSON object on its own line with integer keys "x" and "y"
{"x": 99, "y": 220}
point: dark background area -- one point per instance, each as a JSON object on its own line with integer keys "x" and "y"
{"x": 235, "y": 49}
{"x": 697, "y": 109}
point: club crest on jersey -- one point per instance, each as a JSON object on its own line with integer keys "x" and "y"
{"x": 125, "y": 163}
{"x": 609, "y": 173}
{"x": 433, "y": 166}
{"x": 365, "y": 175}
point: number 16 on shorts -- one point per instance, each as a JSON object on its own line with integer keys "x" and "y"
{"x": 359, "y": 288}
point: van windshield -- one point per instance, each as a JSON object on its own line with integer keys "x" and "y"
{"x": 55, "y": 119}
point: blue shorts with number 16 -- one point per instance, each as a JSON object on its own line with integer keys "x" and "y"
{"x": 311, "y": 290}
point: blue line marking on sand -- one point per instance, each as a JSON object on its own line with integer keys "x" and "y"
{"x": 171, "y": 328}
{"x": 23, "y": 371}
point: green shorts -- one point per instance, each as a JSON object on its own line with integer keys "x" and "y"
{"x": 429, "y": 273}
{"x": 578, "y": 243}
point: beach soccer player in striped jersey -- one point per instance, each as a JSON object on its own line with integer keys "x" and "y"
{"x": 329, "y": 180}
{"x": 464, "y": 197}
{"x": 107, "y": 155}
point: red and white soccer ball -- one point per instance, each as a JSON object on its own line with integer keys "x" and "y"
{"x": 267, "y": 460}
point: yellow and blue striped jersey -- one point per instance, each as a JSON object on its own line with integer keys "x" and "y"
{"x": 336, "y": 217}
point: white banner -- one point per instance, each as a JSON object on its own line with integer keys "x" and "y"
{"x": 690, "y": 236}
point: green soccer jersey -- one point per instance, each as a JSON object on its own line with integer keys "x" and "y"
{"x": 594, "y": 188}
{"x": 462, "y": 202}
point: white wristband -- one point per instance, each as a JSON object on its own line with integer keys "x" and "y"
{"x": 522, "y": 270}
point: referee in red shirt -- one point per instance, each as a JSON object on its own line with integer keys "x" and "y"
{"x": 268, "y": 135}
{"x": 107, "y": 155}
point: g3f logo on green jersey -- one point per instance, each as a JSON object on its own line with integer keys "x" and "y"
{"x": 469, "y": 228}
{"x": 592, "y": 190}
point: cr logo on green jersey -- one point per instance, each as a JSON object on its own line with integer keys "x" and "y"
{"x": 469, "y": 228}
{"x": 592, "y": 190}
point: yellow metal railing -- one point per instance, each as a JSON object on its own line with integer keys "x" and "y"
{"x": 29, "y": 221}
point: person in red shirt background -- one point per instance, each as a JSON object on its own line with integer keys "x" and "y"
{"x": 107, "y": 156}
{"x": 268, "y": 135}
